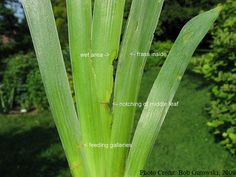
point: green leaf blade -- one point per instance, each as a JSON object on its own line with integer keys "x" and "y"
{"x": 164, "y": 88}
{"x": 46, "y": 42}
{"x": 79, "y": 23}
{"x": 105, "y": 37}
{"x": 106, "y": 30}
{"x": 142, "y": 22}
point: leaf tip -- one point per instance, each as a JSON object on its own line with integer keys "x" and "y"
{"x": 219, "y": 8}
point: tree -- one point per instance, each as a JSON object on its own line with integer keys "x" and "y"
{"x": 14, "y": 32}
{"x": 176, "y": 12}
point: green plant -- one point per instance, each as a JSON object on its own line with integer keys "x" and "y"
{"x": 21, "y": 86}
{"x": 36, "y": 94}
{"x": 98, "y": 118}
{"x": 218, "y": 67}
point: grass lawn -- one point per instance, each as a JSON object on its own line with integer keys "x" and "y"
{"x": 30, "y": 147}
{"x": 184, "y": 142}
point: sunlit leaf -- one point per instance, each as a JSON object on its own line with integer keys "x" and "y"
{"x": 46, "y": 43}
{"x": 164, "y": 89}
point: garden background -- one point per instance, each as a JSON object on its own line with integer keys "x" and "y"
{"x": 199, "y": 133}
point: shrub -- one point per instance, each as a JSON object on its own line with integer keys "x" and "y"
{"x": 36, "y": 94}
{"x": 219, "y": 67}
{"x": 21, "y": 86}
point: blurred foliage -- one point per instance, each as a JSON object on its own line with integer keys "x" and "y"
{"x": 219, "y": 67}
{"x": 12, "y": 28}
{"x": 14, "y": 33}
{"x": 59, "y": 9}
{"x": 21, "y": 86}
{"x": 176, "y": 13}
{"x": 36, "y": 95}
{"x": 158, "y": 53}
{"x": 7, "y": 20}
{"x": 20, "y": 80}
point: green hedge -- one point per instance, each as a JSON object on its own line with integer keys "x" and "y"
{"x": 219, "y": 67}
